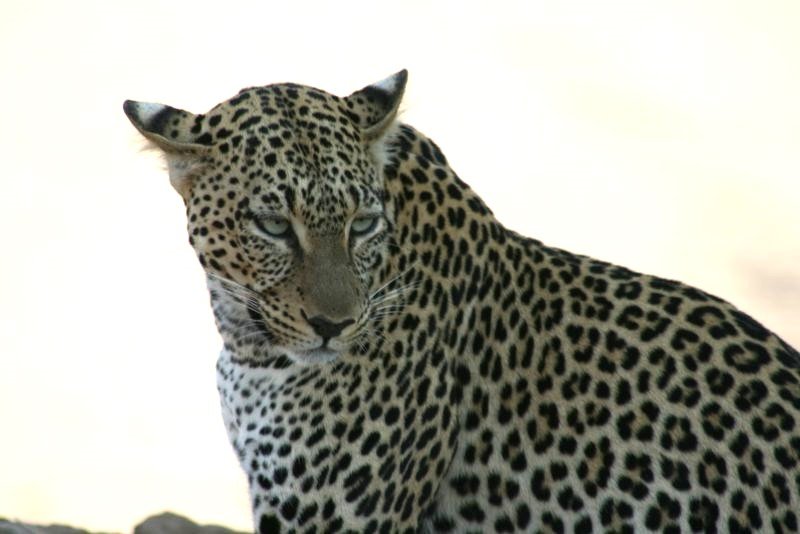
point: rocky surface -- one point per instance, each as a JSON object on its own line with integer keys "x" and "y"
{"x": 14, "y": 527}
{"x": 166, "y": 523}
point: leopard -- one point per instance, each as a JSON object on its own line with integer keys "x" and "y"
{"x": 397, "y": 360}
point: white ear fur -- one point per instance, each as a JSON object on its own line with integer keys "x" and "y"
{"x": 380, "y": 149}
{"x": 182, "y": 168}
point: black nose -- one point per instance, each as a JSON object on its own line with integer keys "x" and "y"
{"x": 326, "y": 328}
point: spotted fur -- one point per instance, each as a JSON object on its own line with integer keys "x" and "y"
{"x": 395, "y": 360}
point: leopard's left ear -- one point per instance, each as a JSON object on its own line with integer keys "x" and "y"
{"x": 374, "y": 107}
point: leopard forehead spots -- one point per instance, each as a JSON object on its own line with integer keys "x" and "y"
{"x": 293, "y": 150}
{"x": 395, "y": 360}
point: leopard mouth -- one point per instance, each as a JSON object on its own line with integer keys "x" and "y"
{"x": 321, "y": 354}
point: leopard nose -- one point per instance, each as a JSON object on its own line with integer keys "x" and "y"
{"x": 327, "y": 328}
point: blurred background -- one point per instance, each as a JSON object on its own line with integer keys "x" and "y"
{"x": 664, "y": 136}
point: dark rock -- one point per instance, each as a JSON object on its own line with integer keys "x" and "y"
{"x": 169, "y": 523}
{"x": 166, "y": 523}
{"x": 13, "y": 527}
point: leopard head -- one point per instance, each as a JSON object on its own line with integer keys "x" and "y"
{"x": 286, "y": 209}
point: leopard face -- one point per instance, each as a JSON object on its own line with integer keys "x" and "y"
{"x": 285, "y": 204}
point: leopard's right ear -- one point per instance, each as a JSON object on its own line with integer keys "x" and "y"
{"x": 374, "y": 107}
{"x": 178, "y": 133}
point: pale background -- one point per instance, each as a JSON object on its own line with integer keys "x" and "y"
{"x": 661, "y": 135}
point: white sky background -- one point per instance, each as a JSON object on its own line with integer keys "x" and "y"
{"x": 664, "y": 136}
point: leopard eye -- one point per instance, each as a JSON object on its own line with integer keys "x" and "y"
{"x": 274, "y": 226}
{"x": 363, "y": 225}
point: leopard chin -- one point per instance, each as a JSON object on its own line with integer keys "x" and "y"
{"x": 316, "y": 356}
